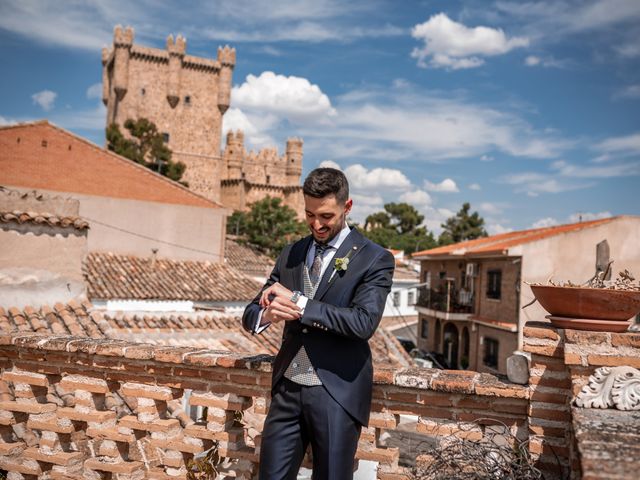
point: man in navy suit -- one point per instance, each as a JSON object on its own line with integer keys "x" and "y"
{"x": 330, "y": 288}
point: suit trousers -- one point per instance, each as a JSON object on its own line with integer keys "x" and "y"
{"x": 300, "y": 415}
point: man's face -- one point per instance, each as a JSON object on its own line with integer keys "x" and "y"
{"x": 325, "y": 216}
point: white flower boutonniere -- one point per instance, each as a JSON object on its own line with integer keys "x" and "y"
{"x": 341, "y": 264}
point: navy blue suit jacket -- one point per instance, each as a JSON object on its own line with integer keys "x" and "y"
{"x": 338, "y": 322}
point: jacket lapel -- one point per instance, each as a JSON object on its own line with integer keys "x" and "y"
{"x": 353, "y": 243}
{"x": 298, "y": 258}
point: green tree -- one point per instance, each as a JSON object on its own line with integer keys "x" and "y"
{"x": 462, "y": 226}
{"x": 146, "y": 147}
{"x": 269, "y": 225}
{"x": 398, "y": 227}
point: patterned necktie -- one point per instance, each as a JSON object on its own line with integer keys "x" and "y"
{"x": 316, "y": 267}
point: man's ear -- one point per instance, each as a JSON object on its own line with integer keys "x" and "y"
{"x": 347, "y": 206}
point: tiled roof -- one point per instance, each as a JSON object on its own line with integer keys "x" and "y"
{"x": 403, "y": 273}
{"x": 76, "y": 223}
{"x": 212, "y": 330}
{"x": 43, "y": 156}
{"x": 246, "y": 260}
{"x": 112, "y": 276}
{"x": 502, "y": 242}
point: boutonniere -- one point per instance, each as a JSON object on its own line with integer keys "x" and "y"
{"x": 341, "y": 264}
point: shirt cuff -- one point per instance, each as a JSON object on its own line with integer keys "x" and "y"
{"x": 257, "y": 328}
{"x": 302, "y": 303}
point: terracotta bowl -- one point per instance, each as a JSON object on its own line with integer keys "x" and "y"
{"x": 588, "y": 303}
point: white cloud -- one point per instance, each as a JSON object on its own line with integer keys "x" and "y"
{"x": 490, "y": 208}
{"x": 449, "y": 44}
{"x": 534, "y": 184}
{"x": 628, "y": 143}
{"x": 368, "y": 181}
{"x": 630, "y": 91}
{"x": 235, "y": 119}
{"x": 497, "y": 229}
{"x": 544, "y": 222}
{"x": 90, "y": 119}
{"x": 475, "y": 186}
{"x": 532, "y": 61}
{"x": 486, "y": 158}
{"x": 587, "y": 216}
{"x": 535, "y": 61}
{"x": 447, "y": 185}
{"x": 417, "y": 198}
{"x": 45, "y": 99}
{"x": 594, "y": 171}
{"x": 292, "y": 98}
{"x": 7, "y": 121}
{"x": 95, "y": 91}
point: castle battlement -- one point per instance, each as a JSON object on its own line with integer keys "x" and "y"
{"x": 123, "y": 37}
{"x": 177, "y": 46}
{"x": 227, "y": 56}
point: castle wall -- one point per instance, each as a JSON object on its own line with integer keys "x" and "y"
{"x": 181, "y": 94}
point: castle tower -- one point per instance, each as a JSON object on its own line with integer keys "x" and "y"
{"x": 234, "y": 154}
{"x": 294, "y": 161}
{"x": 176, "y": 54}
{"x": 185, "y": 96}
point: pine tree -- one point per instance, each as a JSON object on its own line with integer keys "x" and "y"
{"x": 462, "y": 226}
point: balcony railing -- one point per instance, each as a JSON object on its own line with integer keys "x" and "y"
{"x": 452, "y": 301}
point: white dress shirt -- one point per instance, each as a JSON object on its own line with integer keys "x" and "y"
{"x": 326, "y": 261}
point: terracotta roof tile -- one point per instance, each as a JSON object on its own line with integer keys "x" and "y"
{"x": 212, "y": 330}
{"x": 503, "y": 241}
{"x": 43, "y": 156}
{"x": 51, "y": 220}
{"x": 111, "y": 276}
{"x": 246, "y": 260}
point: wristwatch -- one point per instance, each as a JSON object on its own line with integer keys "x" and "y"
{"x": 296, "y": 295}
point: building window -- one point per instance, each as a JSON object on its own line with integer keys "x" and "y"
{"x": 396, "y": 299}
{"x": 165, "y": 137}
{"x": 268, "y": 179}
{"x": 187, "y": 100}
{"x": 143, "y": 92}
{"x": 424, "y": 328}
{"x": 491, "y": 347}
{"x": 442, "y": 275}
{"x": 494, "y": 279}
{"x": 411, "y": 297}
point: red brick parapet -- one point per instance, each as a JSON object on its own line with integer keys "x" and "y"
{"x": 73, "y": 406}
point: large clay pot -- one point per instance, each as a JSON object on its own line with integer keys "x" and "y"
{"x": 588, "y": 308}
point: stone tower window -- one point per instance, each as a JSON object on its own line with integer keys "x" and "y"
{"x": 165, "y": 137}
{"x": 268, "y": 179}
{"x": 44, "y": 143}
{"x": 187, "y": 100}
{"x": 142, "y": 91}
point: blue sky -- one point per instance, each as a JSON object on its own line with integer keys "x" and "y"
{"x": 527, "y": 110}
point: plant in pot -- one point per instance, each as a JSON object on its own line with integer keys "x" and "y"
{"x": 598, "y": 304}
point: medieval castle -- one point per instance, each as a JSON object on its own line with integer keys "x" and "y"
{"x": 186, "y": 97}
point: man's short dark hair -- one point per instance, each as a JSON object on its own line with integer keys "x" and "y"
{"x": 327, "y": 181}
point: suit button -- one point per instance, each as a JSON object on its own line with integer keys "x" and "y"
{"x": 304, "y": 330}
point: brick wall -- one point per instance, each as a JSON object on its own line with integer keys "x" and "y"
{"x": 72, "y": 407}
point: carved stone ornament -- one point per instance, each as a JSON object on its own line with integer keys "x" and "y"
{"x": 617, "y": 387}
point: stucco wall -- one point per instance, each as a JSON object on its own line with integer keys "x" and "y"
{"x": 27, "y": 277}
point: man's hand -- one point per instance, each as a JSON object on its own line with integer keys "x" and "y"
{"x": 280, "y": 309}
{"x": 274, "y": 291}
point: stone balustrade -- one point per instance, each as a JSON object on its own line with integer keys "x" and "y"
{"x": 74, "y": 407}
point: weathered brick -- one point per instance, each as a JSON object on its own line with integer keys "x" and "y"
{"x": 546, "y": 350}
{"x": 540, "y": 331}
{"x": 29, "y": 378}
{"x": 89, "y": 384}
{"x": 613, "y": 360}
{"x": 627, "y": 339}
{"x": 587, "y": 338}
